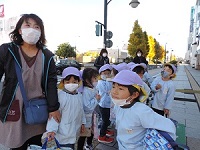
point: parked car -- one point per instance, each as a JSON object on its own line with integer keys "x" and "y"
{"x": 64, "y": 63}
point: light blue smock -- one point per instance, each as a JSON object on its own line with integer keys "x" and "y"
{"x": 132, "y": 123}
{"x": 147, "y": 78}
{"x": 89, "y": 104}
{"x": 72, "y": 117}
{"x": 104, "y": 88}
{"x": 164, "y": 97}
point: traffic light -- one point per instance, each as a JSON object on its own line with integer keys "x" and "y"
{"x": 98, "y": 30}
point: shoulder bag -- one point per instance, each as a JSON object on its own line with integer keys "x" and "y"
{"x": 35, "y": 110}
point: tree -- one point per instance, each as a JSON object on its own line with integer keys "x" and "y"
{"x": 137, "y": 40}
{"x": 65, "y": 50}
{"x": 151, "y": 44}
{"x": 91, "y": 53}
{"x": 146, "y": 49}
{"x": 158, "y": 52}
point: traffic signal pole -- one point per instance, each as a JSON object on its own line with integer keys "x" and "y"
{"x": 105, "y": 22}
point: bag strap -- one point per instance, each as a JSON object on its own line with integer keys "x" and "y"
{"x": 44, "y": 146}
{"x": 22, "y": 89}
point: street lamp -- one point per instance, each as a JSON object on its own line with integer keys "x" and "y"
{"x": 133, "y": 4}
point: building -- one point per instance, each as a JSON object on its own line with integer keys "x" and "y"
{"x": 115, "y": 55}
{"x": 193, "y": 52}
{"x": 7, "y": 25}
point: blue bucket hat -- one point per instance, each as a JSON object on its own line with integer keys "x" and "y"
{"x": 173, "y": 67}
{"x": 127, "y": 77}
{"x": 105, "y": 67}
{"x": 144, "y": 65}
{"x": 130, "y": 64}
{"x": 120, "y": 67}
{"x": 133, "y": 66}
{"x": 71, "y": 71}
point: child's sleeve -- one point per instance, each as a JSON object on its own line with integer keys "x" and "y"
{"x": 153, "y": 85}
{"x": 89, "y": 102}
{"x": 52, "y": 125}
{"x": 170, "y": 97}
{"x": 150, "y": 119}
{"x": 149, "y": 78}
{"x": 102, "y": 88}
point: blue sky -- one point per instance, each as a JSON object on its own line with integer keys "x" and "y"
{"x": 73, "y": 21}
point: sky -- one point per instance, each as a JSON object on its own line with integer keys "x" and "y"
{"x": 73, "y": 21}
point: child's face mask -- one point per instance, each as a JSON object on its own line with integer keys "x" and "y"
{"x": 71, "y": 87}
{"x": 121, "y": 102}
{"x": 165, "y": 74}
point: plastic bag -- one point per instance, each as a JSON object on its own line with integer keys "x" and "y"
{"x": 44, "y": 146}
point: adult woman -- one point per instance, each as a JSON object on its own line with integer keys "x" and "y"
{"x": 102, "y": 59}
{"x": 39, "y": 77}
{"x": 139, "y": 58}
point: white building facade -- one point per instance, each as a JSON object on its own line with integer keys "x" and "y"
{"x": 193, "y": 53}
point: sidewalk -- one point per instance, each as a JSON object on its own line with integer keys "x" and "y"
{"x": 185, "y": 109}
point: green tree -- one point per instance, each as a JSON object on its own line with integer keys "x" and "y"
{"x": 137, "y": 40}
{"x": 158, "y": 52}
{"x": 146, "y": 49}
{"x": 65, "y": 50}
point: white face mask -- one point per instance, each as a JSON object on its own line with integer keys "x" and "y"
{"x": 104, "y": 54}
{"x": 120, "y": 102}
{"x": 30, "y": 35}
{"x": 103, "y": 77}
{"x": 71, "y": 87}
{"x": 94, "y": 84}
{"x": 139, "y": 54}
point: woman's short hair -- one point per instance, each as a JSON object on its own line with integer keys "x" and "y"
{"x": 17, "y": 38}
{"x": 103, "y": 51}
{"x": 139, "y": 50}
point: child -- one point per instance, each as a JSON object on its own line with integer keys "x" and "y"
{"x": 90, "y": 101}
{"x": 147, "y": 78}
{"x": 104, "y": 88}
{"x": 71, "y": 109}
{"x": 164, "y": 90}
{"x": 133, "y": 118}
{"x": 139, "y": 69}
{"x": 117, "y": 68}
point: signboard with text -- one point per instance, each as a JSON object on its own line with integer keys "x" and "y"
{"x": 1, "y": 11}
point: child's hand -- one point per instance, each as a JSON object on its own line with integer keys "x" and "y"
{"x": 82, "y": 128}
{"x": 158, "y": 86}
{"x": 166, "y": 112}
{"x": 51, "y": 136}
{"x": 98, "y": 97}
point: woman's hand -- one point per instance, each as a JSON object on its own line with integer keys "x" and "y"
{"x": 56, "y": 115}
